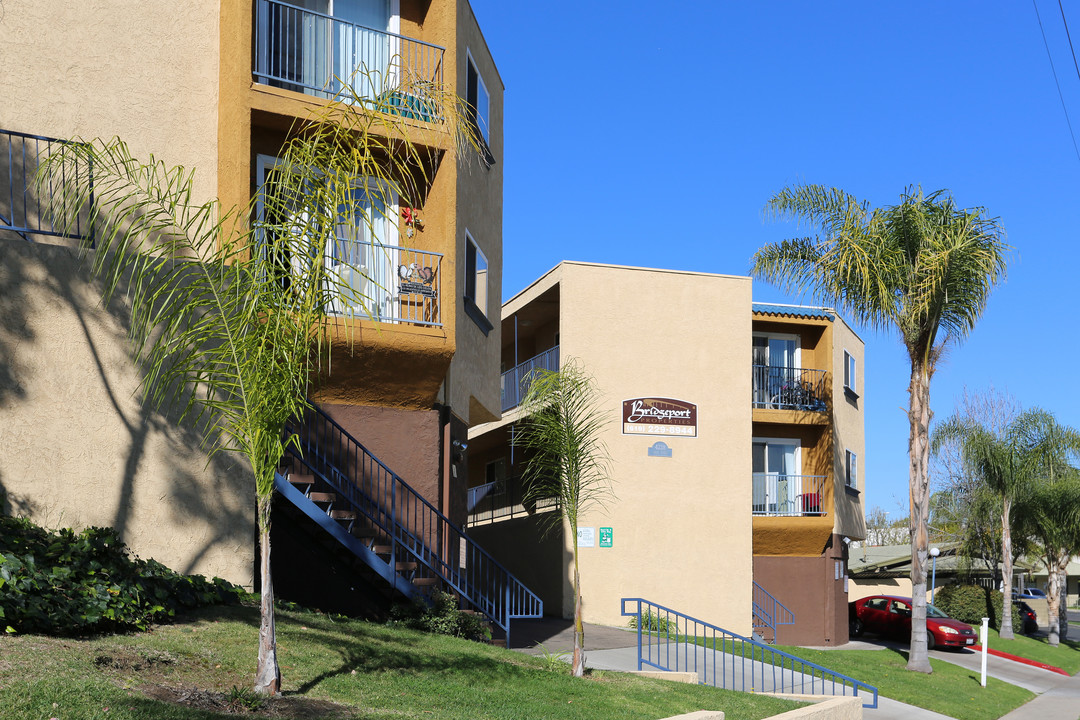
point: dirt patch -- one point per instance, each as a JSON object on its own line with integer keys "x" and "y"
{"x": 282, "y": 706}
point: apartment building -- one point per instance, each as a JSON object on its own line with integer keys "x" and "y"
{"x": 217, "y": 86}
{"x": 736, "y": 433}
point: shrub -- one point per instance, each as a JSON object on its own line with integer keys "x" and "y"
{"x": 442, "y": 617}
{"x": 971, "y": 603}
{"x": 655, "y": 623}
{"x": 68, "y": 583}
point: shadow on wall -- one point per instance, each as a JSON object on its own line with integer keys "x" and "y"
{"x": 66, "y": 371}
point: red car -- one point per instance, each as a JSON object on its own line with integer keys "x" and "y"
{"x": 888, "y": 615}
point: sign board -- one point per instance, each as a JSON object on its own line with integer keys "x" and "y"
{"x": 659, "y": 416}
{"x": 659, "y": 449}
{"x": 607, "y": 537}
{"x": 586, "y": 537}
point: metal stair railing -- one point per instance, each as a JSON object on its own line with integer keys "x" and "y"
{"x": 768, "y": 612}
{"x": 413, "y": 525}
{"x": 669, "y": 640}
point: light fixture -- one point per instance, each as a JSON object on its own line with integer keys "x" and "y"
{"x": 460, "y": 445}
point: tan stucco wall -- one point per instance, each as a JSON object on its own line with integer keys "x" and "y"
{"x": 681, "y": 525}
{"x": 883, "y": 586}
{"x": 76, "y": 446}
{"x": 849, "y": 431}
{"x": 146, "y": 72}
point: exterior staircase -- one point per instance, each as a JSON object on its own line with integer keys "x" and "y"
{"x": 769, "y": 614}
{"x": 374, "y": 515}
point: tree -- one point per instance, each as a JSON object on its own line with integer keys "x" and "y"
{"x": 1050, "y": 513}
{"x": 563, "y": 433}
{"x": 230, "y": 318}
{"x": 923, "y": 268}
{"x": 998, "y": 463}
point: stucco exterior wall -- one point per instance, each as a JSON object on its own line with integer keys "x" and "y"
{"x": 77, "y": 448}
{"x": 106, "y": 68}
{"x": 681, "y": 525}
{"x": 849, "y": 431}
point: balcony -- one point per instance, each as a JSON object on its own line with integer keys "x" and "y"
{"x": 515, "y": 382}
{"x": 31, "y": 210}
{"x": 503, "y": 500}
{"x": 785, "y": 388}
{"x": 319, "y": 55}
{"x": 388, "y": 283}
{"x": 781, "y": 495}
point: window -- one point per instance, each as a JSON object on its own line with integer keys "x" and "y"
{"x": 476, "y": 284}
{"x": 777, "y": 481}
{"x": 849, "y": 374}
{"x": 851, "y": 469}
{"x": 476, "y": 95}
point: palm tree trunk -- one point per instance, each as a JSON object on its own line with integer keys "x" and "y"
{"x": 267, "y": 673}
{"x": 919, "y": 498}
{"x": 1063, "y": 598}
{"x": 1053, "y": 596}
{"x": 578, "y": 667}
{"x": 1007, "y": 570}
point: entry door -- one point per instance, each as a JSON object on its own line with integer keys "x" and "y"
{"x": 775, "y": 359}
{"x": 366, "y": 45}
{"x": 777, "y": 482}
{"x": 364, "y": 253}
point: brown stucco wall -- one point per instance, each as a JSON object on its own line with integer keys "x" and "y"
{"x": 406, "y": 441}
{"x": 532, "y": 552}
{"x": 808, "y": 587}
{"x": 77, "y": 447}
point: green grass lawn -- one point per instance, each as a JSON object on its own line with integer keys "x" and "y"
{"x": 1065, "y": 656}
{"x": 950, "y": 689}
{"x": 330, "y": 669}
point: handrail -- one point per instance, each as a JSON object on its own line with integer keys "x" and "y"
{"x": 779, "y": 494}
{"x": 788, "y": 388}
{"x": 515, "y": 381}
{"x": 770, "y": 612}
{"x": 317, "y": 54}
{"x": 503, "y": 500}
{"x": 676, "y": 642}
{"x": 29, "y": 215}
{"x": 413, "y": 525}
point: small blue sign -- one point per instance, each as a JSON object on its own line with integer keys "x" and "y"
{"x": 659, "y": 449}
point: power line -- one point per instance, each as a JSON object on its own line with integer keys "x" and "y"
{"x": 1054, "y": 71}
{"x": 1069, "y": 35}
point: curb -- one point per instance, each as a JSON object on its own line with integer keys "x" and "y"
{"x": 1016, "y": 658}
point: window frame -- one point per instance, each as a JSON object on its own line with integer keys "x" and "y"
{"x": 470, "y": 282}
{"x": 851, "y": 374}
{"x": 851, "y": 469}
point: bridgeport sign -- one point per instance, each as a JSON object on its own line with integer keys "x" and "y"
{"x": 659, "y": 416}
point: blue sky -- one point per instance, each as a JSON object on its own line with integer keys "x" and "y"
{"x": 641, "y": 138}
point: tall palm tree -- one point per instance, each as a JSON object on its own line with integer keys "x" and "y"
{"x": 568, "y": 460}
{"x": 923, "y": 268}
{"x": 229, "y": 317}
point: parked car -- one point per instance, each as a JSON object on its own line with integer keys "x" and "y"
{"x": 1027, "y": 617}
{"x": 890, "y": 616}
{"x": 1032, "y": 592}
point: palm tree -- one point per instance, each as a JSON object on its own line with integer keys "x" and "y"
{"x": 568, "y": 461}
{"x": 923, "y": 268}
{"x": 229, "y": 318}
{"x": 999, "y": 463}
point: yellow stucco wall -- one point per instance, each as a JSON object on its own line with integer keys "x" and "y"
{"x": 681, "y": 525}
{"x": 76, "y": 446}
{"x": 849, "y": 429}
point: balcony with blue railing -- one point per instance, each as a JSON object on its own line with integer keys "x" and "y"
{"x": 387, "y": 283}
{"x": 515, "y": 382}
{"x": 783, "y": 495}
{"x": 34, "y": 207}
{"x": 789, "y": 388}
{"x": 322, "y": 56}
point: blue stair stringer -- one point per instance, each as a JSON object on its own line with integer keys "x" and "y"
{"x": 669, "y": 640}
{"x": 768, "y": 612}
{"x": 393, "y": 529}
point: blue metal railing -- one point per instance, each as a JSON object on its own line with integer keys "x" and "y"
{"x": 786, "y": 388}
{"x": 27, "y": 210}
{"x": 503, "y": 500}
{"x": 416, "y": 530}
{"x": 320, "y": 55}
{"x": 768, "y": 612}
{"x": 515, "y": 382}
{"x": 782, "y": 495}
{"x": 676, "y": 642}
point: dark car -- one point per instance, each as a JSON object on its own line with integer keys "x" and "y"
{"x": 890, "y": 616}
{"x": 1027, "y": 617}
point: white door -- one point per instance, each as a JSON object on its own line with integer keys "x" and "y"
{"x": 777, "y": 481}
{"x": 364, "y": 253}
{"x": 366, "y": 45}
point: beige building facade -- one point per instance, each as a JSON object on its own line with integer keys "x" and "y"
{"x": 697, "y": 515}
{"x": 215, "y": 86}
